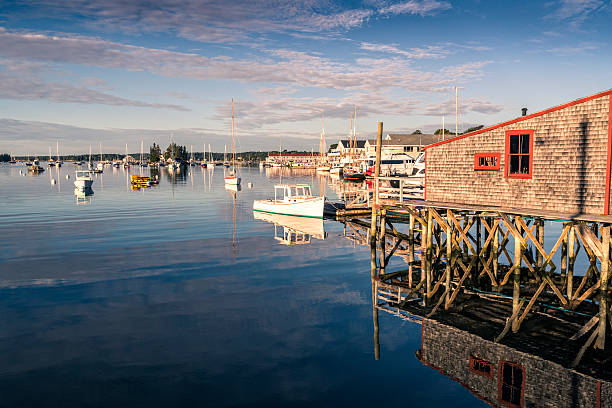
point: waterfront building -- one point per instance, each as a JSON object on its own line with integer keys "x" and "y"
{"x": 558, "y": 160}
{"x": 401, "y": 144}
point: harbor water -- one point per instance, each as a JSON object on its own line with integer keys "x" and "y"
{"x": 176, "y": 295}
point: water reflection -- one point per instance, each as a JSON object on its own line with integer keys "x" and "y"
{"x": 290, "y": 230}
{"x": 521, "y": 371}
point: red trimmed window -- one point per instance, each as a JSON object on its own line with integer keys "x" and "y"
{"x": 511, "y": 384}
{"x": 481, "y": 367}
{"x": 519, "y": 153}
{"x": 486, "y": 161}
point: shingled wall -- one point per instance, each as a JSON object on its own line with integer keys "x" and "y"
{"x": 547, "y": 384}
{"x": 569, "y": 163}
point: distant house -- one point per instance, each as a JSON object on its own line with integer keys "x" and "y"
{"x": 397, "y": 143}
{"x": 344, "y": 147}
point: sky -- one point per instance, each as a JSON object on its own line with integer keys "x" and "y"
{"x": 91, "y": 72}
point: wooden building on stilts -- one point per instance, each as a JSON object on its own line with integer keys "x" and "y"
{"x": 515, "y": 218}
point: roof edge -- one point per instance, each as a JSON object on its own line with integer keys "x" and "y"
{"x": 522, "y": 118}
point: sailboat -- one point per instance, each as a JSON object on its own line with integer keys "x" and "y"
{"x": 172, "y": 165}
{"x": 58, "y": 162}
{"x": 100, "y": 166}
{"x": 211, "y": 161}
{"x": 51, "y": 161}
{"x": 322, "y": 165}
{"x": 233, "y": 179}
{"x": 353, "y": 172}
{"x": 142, "y": 163}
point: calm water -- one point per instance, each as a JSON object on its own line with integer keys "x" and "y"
{"x": 177, "y": 296}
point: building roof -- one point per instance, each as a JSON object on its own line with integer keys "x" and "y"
{"x": 292, "y": 154}
{"x": 533, "y": 115}
{"x": 360, "y": 144}
{"x": 397, "y": 139}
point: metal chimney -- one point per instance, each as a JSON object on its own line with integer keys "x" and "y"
{"x": 524, "y": 110}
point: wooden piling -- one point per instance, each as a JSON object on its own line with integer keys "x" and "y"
{"x": 571, "y": 262}
{"x": 449, "y": 253}
{"x": 410, "y": 249}
{"x": 603, "y": 286}
{"x": 539, "y": 232}
{"x": 383, "y": 240}
{"x": 376, "y": 175}
{"x": 516, "y": 284}
{"x": 429, "y": 252}
{"x": 564, "y": 250}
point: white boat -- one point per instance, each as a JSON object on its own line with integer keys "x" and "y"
{"x": 336, "y": 169}
{"x": 293, "y": 230}
{"x": 324, "y": 168}
{"x": 83, "y": 180}
{"x": 292, "y": 199}
{"x": 233, "y": 178}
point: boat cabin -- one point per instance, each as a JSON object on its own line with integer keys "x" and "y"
{"x": 80, "y": 174}
{"x": 558, "y": 160}
{"x": 288, "y": 192}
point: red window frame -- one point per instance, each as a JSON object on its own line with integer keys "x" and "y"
{"x": 475, "y": 362}
{"x": 529, "y": 154}
{"x": 478, "y": 156}
{"x": 500, "y": 384}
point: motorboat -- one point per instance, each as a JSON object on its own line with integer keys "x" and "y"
{"x": 36, "y": 167}
{"x": 292, "y": 199}
{"x": 83, "y": 180}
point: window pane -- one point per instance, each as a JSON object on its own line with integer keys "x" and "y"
{"x": 524, "y": 164}
{"x": 506, "y": 393}
{"x": 514, "y": 144}
{"x": 525, "y": 144}
{"x": 514, "y": 164}
{"x": 518, "y": 377}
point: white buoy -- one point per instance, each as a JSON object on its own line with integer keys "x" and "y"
{"x": 250, "y": 185}
{"x": 67, "y": 176}
{"x": 53, "y": 182}
{"x": 20, "y": 172}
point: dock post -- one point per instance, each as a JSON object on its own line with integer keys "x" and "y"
{"x": 383, "y": 240}
{"x": 564, "y": 249}
{"x": 570, "y": 266}
{"x": 476, "y": 275}
{"x": 540, "y": 238}
{"x": 429, "y": 252}
{"x": 376, "y": 175}
{"x": 410, "y": 249}
{"x": 495, "y": 260}
{"x": 449, "y": 256}
{"x": 401, "y": 186}
{"x": 516, "y": 288}
{"x": 603, "y": 286}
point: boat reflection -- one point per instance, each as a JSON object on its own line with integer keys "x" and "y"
{"x": 290, "y": 230}
{"x": 83, "y": 196}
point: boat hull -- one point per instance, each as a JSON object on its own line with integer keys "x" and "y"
{"x": 232, "y": 180}
{"x": 311, "y": 208}
{"x": 83, "y": 184}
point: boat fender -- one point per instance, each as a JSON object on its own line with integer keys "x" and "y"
{"x": 250, "y": 185}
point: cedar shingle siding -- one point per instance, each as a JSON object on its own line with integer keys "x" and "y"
{"x": 569, "y": 163}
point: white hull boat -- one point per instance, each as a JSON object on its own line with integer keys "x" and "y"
{"x": 83, "y": 180}
{"x": 232, "y": 180}
{"x": 323, "y": 168}
{"x": 295, "y": 200}
{"x": 336, "y": 170}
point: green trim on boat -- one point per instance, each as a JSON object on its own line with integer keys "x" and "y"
{"x": 290, "y": 215}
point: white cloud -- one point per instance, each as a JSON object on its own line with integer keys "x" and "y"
{"x": 26, "y": 87}
{"x": 414, "y": 53}
{"x": 466, "y": 105}
{"x": 288, "y": 67}
{"x": 576, "y": 11}
{"x": 424, "y": 7}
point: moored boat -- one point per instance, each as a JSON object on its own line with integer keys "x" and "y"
{"x": 83, "y": 180}
{"x": 292, "y": 199}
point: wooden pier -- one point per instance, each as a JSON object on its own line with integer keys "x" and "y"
{"x": 450, "y": 252}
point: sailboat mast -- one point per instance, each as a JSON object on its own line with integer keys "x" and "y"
{"x": 233, "y": 141}
{"x": 57, "y": 149}
{"x": 100, "y": 152}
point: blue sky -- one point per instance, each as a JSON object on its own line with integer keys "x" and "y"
{"x": 114, "y": 72}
